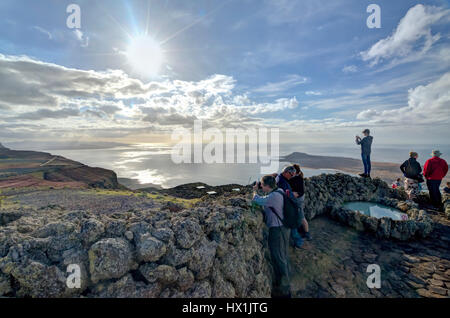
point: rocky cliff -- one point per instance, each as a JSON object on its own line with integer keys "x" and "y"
{"x": 215, "y": 248}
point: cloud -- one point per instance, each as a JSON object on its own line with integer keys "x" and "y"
{"x": 171, "y": 119}
{"x": 84, "y": 40}
{"x": 414, "y": 27}
{"x": 47, "y": 113}
{"x": 277, "y": 106}
{"x": 427, "y": 105}
{"x": 350, "y": 69}
{"x": 28, "y": 82}
{"x": 166, "y": 116}
{"x": 109, "y": 109}
{"x": 73, "y": 102}
{"x": 43, "y": 31}
{"x": 314, "y": 93}
{"x": 277, "y": 87}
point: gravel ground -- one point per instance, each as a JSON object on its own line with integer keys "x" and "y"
{"x": 88, "y": 200}
{"x": 334, "y": 263}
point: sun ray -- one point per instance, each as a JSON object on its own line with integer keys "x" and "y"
{"x": 147, "y": 25}
{"x": 183, "y": 50}
{"x": 115, "y": 21}
{"x": 131, "y": 17}
{"x": 194, "y": 23}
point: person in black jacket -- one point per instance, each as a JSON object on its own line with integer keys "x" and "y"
{"x": 412, "y": 171}
{"x": 298, "y": 187}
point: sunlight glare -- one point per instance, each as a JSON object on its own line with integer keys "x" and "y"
{"x": 145, "y": 55}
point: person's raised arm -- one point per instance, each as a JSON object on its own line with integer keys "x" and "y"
{"x": 261, "y": 200}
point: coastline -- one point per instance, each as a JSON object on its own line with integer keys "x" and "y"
{"x": 141, "y": 170}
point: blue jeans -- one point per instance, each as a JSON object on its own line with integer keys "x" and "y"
{"x": 295, "y": 235}
{"x": 366, "y": 163}
{"x": 296, "y": 238}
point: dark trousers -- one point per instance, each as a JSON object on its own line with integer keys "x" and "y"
{"x": 278, "y": 246}
{"x": 295, "y": 233}
{"x": 435, "y": 192}
{"x": 366, "y": 163}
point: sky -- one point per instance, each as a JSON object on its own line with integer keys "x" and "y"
{"x": 136, "y": 70}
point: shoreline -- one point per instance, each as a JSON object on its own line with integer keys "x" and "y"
{"x": 26, "y": 168}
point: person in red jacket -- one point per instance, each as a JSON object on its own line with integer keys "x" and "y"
{"x": 434, "y": 171}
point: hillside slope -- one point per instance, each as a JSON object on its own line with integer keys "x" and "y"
{"x": 19, "y": 168}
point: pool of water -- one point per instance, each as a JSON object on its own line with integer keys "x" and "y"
{"x": 376, "y": 210}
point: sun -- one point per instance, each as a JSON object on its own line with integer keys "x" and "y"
{"x": 145, "y": 55}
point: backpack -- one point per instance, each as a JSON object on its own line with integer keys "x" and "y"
{"x": 410, "y": 172}
{"x": 290, "y": 211}
{"x": 413, "y": 173}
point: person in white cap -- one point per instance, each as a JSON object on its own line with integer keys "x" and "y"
{"x": 434, "y": 170}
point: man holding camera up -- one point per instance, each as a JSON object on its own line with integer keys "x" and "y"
{"x": 366, "y": 145}
{"x": 278, "y": 234}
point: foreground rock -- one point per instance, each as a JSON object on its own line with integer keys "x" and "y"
{"x": 446, "y": 202}
{"x": 206, "y": 251}
{"x": 217, "y": 248}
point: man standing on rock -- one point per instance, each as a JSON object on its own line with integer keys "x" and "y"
{"x": 366, "y": 145}
{"x": 434, "y": 171}
{"x": 278, "y": 239}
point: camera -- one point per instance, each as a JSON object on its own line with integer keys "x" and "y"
{"x": 257, "y": 183}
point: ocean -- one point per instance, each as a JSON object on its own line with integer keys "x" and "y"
{"x": 150, "y": 164}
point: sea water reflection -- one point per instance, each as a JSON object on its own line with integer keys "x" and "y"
{"x": 152, "y": 164}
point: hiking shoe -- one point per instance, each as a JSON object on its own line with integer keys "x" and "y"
{"x": 308, "y": 236}
{"x": 298, "y": 245}
{"x": 362, "y": 175}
